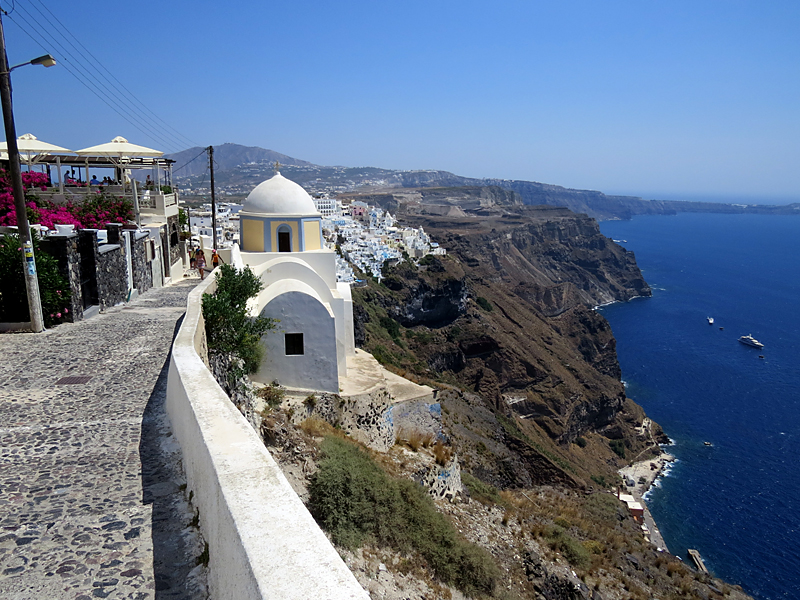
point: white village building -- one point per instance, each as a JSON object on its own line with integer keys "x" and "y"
{"x": 281, "y": 241}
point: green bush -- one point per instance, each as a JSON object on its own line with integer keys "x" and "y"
{"x": 54, "y": 290}
{"x": 480, "y": 491}
{"x": 484, "y": 303}
{"x": 570, "y": 548}
{"x": 272, "y": 395}
{"x": 581, "y": 441}
{"x": 354, "y": 500}
{"x": 229, "y": 329}
{"x": 391, "y": 326}
{"x": 618, "y": 446}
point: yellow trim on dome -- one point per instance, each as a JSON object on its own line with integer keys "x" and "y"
{"x": 252, "y": 235}
{"x": 311, "y": 235}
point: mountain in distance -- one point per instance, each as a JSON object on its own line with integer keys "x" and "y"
{"x": 226, "y": 157}
{"x": 238, "y": 169}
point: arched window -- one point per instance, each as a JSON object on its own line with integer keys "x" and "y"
{"x": 284, "y": 239}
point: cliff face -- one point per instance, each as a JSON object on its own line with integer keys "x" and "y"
{"x": 508, "y": 314}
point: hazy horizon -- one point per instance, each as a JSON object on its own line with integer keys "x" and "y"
{"x": 698, "y": 98}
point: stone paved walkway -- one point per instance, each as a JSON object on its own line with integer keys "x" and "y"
{"x": 92, "y": 501}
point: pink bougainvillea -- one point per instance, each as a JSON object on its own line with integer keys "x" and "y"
{"x": 95, "y": 211}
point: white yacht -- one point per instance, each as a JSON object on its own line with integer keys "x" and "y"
{"x": 749, "y": 340}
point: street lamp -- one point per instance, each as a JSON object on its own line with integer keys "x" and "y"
{"x": 46, "y": 61}
{"x": 28, "y": 260}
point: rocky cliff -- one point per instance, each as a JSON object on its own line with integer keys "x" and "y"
{"x": 508, "y": 315}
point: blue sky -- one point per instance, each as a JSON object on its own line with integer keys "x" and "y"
{"x": 666, "y": 99}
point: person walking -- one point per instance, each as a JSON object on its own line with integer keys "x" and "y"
{"x": 215, "y": 259}
{"x": 201, "y": 264}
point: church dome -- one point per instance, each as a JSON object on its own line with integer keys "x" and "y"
{"x": 279, "y": 196}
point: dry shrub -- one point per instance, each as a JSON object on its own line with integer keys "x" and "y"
{"x": 538, "y": 529}
{"x": 594, "y": 546}
{"x": 673, "y": 568}
{"x": 317, "y": 427}
{"x": 415, "y": 439}
{"x": 442, "y": 453}
{"x": 271, "y": 394}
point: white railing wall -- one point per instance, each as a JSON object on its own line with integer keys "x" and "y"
{"x": 263, "y": 542}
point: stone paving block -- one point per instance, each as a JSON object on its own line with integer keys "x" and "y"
{"x": 92, "y": 501}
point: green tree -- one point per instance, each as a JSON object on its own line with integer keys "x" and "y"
{"x": 229, "y": 329}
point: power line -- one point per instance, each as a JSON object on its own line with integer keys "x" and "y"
{"x": 122, "y": 85}
{"x": 91, "y": 82}
{"x": 82, "y": 64}
{"x": 203, "y": 151}
{"x": 82, "y": 82}
{"x": 111, "y": 97}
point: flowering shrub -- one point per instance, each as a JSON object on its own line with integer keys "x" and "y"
{"x": 94, "y": 212}
{"x": 53, "y": 288}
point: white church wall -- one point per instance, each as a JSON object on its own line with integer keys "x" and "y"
{"x": 350, "y": 340}
{"x": 290, "y": 267}
{"x": 321, "y": 261}
{"x": 341, "y": 338}
{"x": 316, "y": 369}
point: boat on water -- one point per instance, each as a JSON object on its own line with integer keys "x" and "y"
{"x": 749, "y": 340}
{"x": 710, "y": 320}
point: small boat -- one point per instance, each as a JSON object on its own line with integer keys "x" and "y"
{"x": 749, "y": 340}
{"x": 710, "y": 320}
{"x": 707, "y": 444}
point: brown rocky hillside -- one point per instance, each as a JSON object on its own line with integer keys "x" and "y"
{"x": 508, "y": 315}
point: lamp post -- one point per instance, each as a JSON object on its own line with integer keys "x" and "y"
{"x": 28, "y": 260}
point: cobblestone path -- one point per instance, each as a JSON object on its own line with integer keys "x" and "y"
{"x": 92, "y": 501}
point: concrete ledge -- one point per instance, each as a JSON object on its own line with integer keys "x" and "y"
{"x": 263, "y": 542}
{"x": 21, "y": 326}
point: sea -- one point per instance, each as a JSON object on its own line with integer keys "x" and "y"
{"x": 737, "y": 501}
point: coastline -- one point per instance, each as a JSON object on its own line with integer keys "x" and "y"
{"x": 643, "y": 474}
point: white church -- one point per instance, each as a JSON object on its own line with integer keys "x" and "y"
{"x": 281, "y": 241}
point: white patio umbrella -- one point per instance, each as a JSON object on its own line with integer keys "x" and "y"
{"x": 119, "y": 148}
{"x": 30, "y": 147}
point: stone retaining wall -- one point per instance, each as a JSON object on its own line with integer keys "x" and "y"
{"x": 64, "y": 248}
{"x": 142, "y": 271}
{"x": 112, "y": 269}
{"x": 263, "y": 542}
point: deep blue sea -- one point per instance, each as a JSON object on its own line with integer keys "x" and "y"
{"x": 737, "y": 502}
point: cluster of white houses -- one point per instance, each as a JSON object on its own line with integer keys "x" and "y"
{"x": 367, "y": 236}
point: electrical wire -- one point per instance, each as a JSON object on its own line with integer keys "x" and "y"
{"x": 100, "y": 88}
{"x": 203, "y": 151}
{"x": 185, "y": 139}
{"x": 82, "y": 82}
{"x": 111, "y": 97}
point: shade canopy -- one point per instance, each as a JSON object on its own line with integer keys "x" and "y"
{"x": 28, "y": 144}
{"x": 118, "y": 147}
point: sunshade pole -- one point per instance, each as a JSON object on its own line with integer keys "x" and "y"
{"x": 60, "y": 176}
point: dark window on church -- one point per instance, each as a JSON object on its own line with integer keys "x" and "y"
{"x": 294, "y": 343}
{"x": 284, "y": 241}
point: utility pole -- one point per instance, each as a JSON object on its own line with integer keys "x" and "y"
{"x": 26, "y": 242}
{"x": 213, "y": 197}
